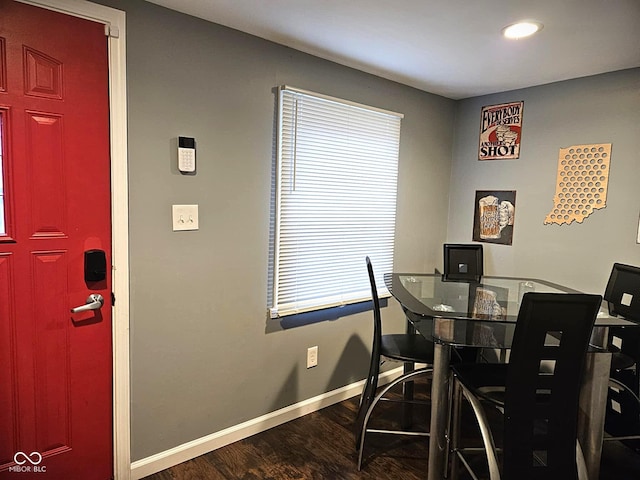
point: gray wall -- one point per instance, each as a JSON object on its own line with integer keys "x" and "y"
{"x": 599, "y": 109}
{"x": 203, "y": 354}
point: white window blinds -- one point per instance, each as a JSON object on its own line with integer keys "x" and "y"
{"x": 336, "y": 200}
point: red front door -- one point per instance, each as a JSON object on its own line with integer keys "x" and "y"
{"x": 55, "y": 365}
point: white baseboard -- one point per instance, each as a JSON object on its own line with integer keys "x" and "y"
{"x": 195, "y": 448}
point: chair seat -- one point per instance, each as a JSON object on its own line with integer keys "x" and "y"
{"x": 485, "y": 380}
{"x": 407, "y": 348}
{"x": 477, "y": 375}
{"x": 621, "y": 361}
{"x": 488, "y": 382}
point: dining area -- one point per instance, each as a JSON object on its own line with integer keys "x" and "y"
{"x": 545, "y": 356}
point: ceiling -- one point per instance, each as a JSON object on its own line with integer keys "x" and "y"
{"x": 452, "y": 48}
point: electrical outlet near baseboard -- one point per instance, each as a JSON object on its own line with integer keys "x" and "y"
{"x": 312, "y": 356}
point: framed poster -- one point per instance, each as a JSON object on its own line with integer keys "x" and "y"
{"x": 494, "y": 216}
{"x": 500, "y": 131}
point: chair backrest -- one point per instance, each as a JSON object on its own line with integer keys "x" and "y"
{"x": 377, "y": 317}
{"x": 623, "y": 291}
{"x": 374, "y": 367}
{"x": 463, "y": 262}
{"x": 541, "y": 409}
{"x": 623, "y": 298}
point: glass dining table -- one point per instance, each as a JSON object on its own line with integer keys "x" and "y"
{"x": 483, "y": 314}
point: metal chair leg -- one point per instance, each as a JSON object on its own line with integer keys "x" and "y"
{"x": 485, "y": 431}
{"x": 454, "y": 442}
{"x": 383, "y": 392}
{"x": 447, "y": 450}
{"x": 407, "y": 393}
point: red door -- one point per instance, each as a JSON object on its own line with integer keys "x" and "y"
{"x": 55, "y": 366}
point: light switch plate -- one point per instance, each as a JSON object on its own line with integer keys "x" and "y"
{"x": 185, "y": 217}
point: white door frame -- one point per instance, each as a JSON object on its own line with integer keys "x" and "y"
{"x": 114, "y": 21}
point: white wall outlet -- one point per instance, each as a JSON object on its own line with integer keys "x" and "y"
{"x": 312, "y": 356}
{"x": 185, "y": 217}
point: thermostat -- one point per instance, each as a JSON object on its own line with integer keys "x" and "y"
{"x": 186, "y": 154}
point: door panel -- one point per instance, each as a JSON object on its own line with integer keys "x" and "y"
{"x": 51, "y": 357}
{"x": 8, "y": 426}
{"x": 43, "y": 75}
{"x": 55, "y": 366}
{"x": 45, "y": 163}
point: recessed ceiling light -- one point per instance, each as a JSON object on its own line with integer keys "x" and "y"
{"x": 521, "y": 29}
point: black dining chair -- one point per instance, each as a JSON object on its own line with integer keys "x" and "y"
{"x": 463, "y": 262}
{"x": 537, "y": 392}
{"x": 622, "y": 294}
{"x": 408, "y": 347}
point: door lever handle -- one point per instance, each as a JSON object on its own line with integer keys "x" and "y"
{"x": 94, "y": 302}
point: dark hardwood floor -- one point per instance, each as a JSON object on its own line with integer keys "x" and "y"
{"x": 321, "y": 446}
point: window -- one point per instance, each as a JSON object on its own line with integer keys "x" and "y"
{"x": 335, "y": 201}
